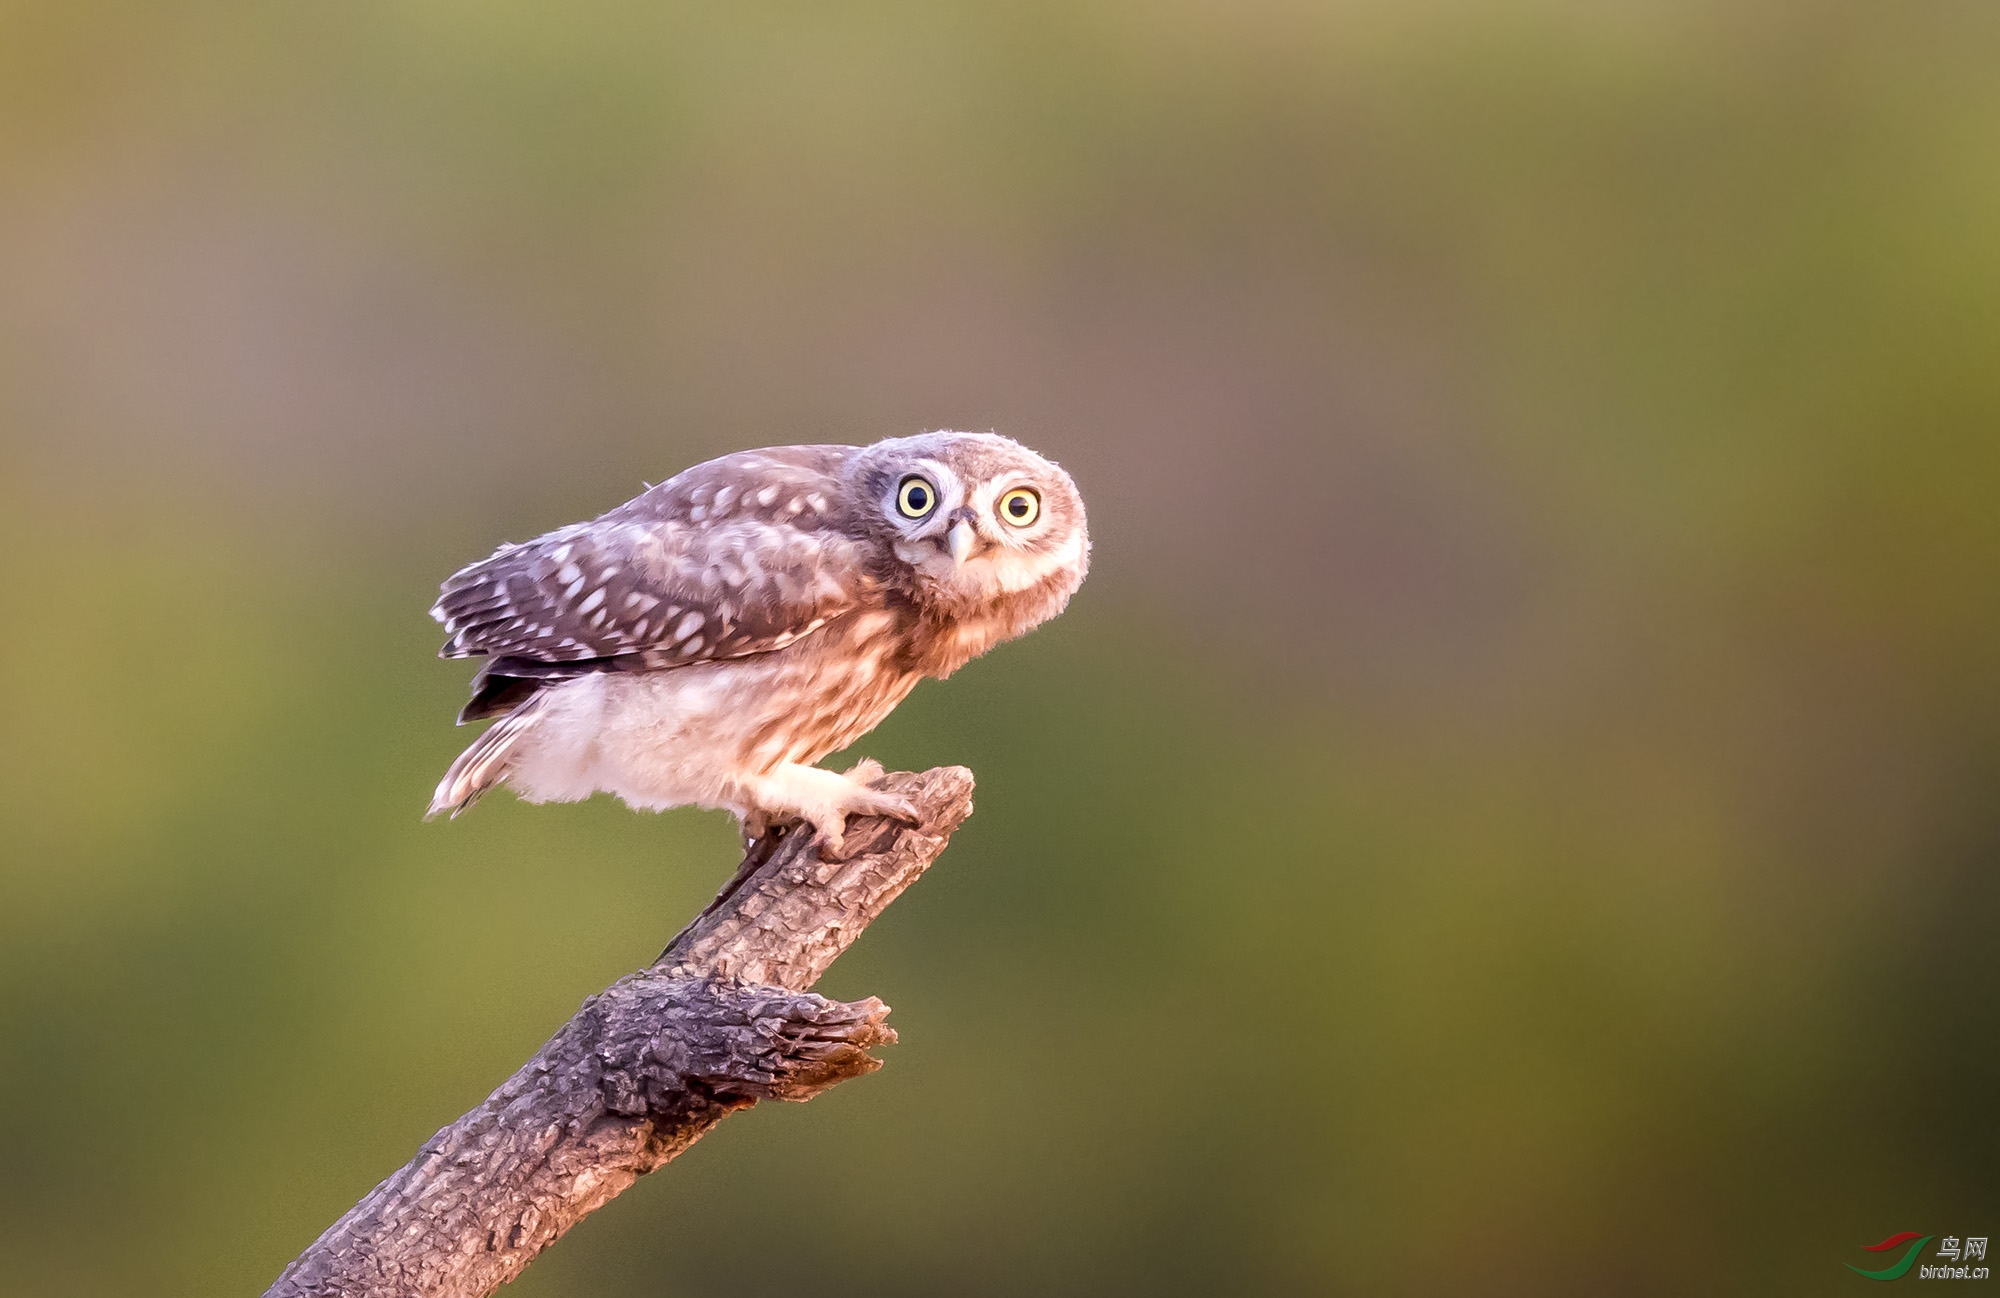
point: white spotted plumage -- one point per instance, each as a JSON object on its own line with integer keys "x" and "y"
{"x": 709, "y": 640}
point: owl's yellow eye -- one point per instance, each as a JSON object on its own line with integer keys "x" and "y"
{"x": 916, "y": 497}
{"x": 1020, "y": 506}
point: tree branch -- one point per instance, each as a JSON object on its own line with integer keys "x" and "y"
{"x": 723, "y": 1019}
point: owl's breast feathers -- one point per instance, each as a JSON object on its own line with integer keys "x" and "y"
{"x": 945, "y": 633}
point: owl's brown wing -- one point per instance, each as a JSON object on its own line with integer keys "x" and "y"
{"x": 741, "y": 555}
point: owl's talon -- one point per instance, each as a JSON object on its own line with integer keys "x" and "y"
{"x": 896, "y": 808}
{"x": 866, "y": 802}
{"x": 824, "y": 799}
{"x": 877, "y": 802}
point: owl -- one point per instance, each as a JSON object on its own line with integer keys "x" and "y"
{"x": 708, "y": 641}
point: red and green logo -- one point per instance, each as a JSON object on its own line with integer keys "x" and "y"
{"x": 1900, "y": 1268}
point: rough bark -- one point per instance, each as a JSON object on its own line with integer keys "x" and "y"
{"x": 723, "y": 1019}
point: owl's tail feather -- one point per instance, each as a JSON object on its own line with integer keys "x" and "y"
{"x": 484, "y": 764}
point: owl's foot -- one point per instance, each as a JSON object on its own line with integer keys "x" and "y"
{"x": 824, "y": 800}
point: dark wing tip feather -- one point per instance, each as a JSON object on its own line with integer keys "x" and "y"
{"x": 496, "y": 694}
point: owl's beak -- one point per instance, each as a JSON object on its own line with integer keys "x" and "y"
{"x": 960, "y": 540}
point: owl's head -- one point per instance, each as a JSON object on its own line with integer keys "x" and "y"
{"x": 979, "y": 517}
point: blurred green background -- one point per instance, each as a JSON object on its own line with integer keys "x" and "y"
{"x": 1512, "y": 811}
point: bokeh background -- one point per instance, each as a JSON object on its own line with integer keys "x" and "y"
{"x": 1512, "y": 811}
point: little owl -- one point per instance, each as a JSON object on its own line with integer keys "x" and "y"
{"x": 709, "y": 640}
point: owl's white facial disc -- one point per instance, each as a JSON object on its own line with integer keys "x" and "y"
{"x": 985, "y": 538}
{"x": 976, "y": 516}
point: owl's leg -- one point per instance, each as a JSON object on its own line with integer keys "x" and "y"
{"x": 823, "y": 799}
